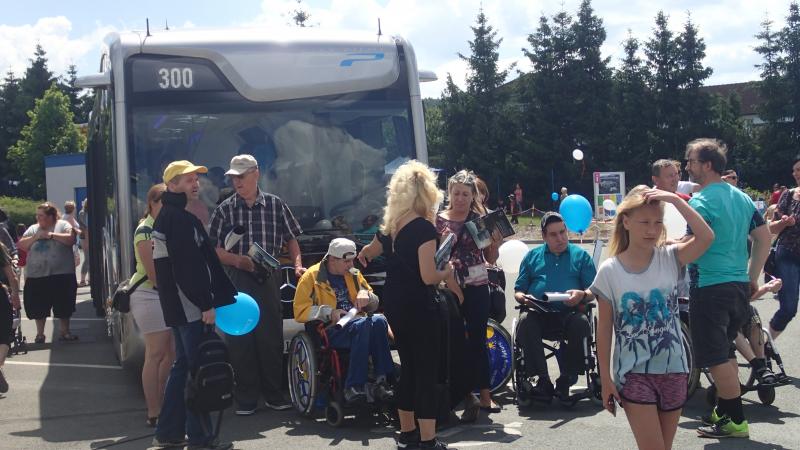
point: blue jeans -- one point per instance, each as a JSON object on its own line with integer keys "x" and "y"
{"x": 787, "y": 268}
{"x": 365, "y": 337}
{"x": 174, "y": 421}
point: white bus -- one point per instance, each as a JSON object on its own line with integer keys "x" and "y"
{"x": 327, "y": 118}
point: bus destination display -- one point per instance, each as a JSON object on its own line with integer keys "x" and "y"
{"x": 158, "y": 74}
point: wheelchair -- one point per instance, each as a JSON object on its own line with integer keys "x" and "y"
{"x": 316, "y": 372}
{"x": 592, "y": 390}
{"x": 765, "y": 392}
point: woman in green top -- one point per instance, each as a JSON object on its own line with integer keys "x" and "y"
{"x": 159, "y": 348}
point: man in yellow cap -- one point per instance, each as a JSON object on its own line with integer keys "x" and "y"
{"x": 191, "y": 284}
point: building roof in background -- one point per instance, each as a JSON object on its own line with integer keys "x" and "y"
{"x": 749, "y": 94}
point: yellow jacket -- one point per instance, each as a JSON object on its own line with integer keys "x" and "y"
{"x": 314, "y": 298}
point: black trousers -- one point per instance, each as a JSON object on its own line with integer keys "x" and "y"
{"x": 416, "y": 323}
{"x": 475, "y": 310}
{"x": 257, "y": 357}
{"x": 533, "y": 327}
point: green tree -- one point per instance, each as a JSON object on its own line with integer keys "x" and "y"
{"x": 12, "y": 119}
{"x": 37, "y": 79}
{"x": 662, "y": 61}
{"x": 691, "y": 74}
{"x": 77, "y": 101}
{"x": 632, "y": 108}
{"x": 51, "y": 131}
{"x": 475, "y": 119}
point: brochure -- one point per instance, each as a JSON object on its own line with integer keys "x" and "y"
{"x": 492, "y": 227}
{"x": 443, "y": 253}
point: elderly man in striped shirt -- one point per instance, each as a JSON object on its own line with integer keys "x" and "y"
{"x": 252, "y": 216}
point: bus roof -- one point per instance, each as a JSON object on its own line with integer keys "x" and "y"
{"x": 270, "y": 66}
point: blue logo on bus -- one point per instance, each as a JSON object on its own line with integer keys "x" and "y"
{"x": 360, "y": 57}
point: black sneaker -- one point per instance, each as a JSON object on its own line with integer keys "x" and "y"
{"x": 277, "y": 404}
{"x": 383, "y": 392}
{"x": 562, "y": 390}
{"x": 353, "y": 394}
{"x": 543, "y": 389}
{"x": 434, "y": 444}
{"x": 3, "y": 382}
{"x": 213, "y": 445}
{"x": 168, "y": 443}
{"x": 245, "y": 410}
{"x": 408, "y": 440}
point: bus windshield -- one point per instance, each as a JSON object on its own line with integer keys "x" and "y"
{"x": 328, "y": 158}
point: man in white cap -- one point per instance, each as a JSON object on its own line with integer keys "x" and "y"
{"x": 249, "y": 217}
{"x": 333, "y": 289}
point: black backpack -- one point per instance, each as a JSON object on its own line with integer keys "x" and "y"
{"x": 210, "y": 384}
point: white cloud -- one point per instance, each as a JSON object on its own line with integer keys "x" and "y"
{"x": 440, "y": 29}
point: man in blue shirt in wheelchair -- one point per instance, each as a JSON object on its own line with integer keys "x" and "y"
{"x": 557, "y": 266}
{"x": 333, "y": 291}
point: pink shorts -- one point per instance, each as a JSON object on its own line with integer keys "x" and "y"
{"x": 666, "y": 391}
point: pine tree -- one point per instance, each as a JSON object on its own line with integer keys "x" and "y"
{"x": 37, "y": 79}
{"x": 67, "y": 85}
{"x": 12, "y": 119}
{"x": 633, "y": 115}
{"x": 691, "y": 74}
{"x": 662, "y": 60}
{"x": 51, "y": 131}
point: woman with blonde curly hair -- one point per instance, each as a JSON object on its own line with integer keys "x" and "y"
{"x": 636, "y": 290}
{"x": 408, "y": 238}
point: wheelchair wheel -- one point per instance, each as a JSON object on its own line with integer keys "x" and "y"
{"x": 514, "y": 362}
{"x": 302, "y": 373}
{"x": 334, "y": 414}
{"x": 766, "y": 394}
{"x": 711, "y": 395}
{"x": 500, "y": 351}
{"x": 694, "y": 372}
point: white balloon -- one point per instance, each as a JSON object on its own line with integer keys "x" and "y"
{"x": 674, "y": 222}
{"x": 511, "y": 254}
{"x": 609, "y": 205}
{"x": 577, "y": 154}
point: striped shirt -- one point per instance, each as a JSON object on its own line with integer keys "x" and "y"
{"x": 269, "y": 222}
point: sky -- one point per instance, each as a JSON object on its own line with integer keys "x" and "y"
{"x": 72, "y": 32}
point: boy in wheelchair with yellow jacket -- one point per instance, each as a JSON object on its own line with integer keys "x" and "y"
{"x": 335, "y": 293}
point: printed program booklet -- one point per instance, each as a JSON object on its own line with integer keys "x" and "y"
{"x": 443, "y": 253}
{"x": 492, "y": 227}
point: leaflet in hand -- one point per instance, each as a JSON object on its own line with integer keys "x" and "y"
{"x": 263, "y": 258}
{"x": 555, "y": 296}
{"x": 492, "y": 227}
{"x": 346, "y": 318}
{"x": 443, "y": 253}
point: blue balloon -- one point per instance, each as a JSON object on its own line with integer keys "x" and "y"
{"x": 554, "y": 196}
{"x": 577, "y": 213}
{"x": 238, "y": 318}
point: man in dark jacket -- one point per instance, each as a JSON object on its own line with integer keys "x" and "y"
{"x": 191, "y": 283}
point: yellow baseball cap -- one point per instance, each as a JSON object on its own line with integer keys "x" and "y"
{"x": 181, "y": 167}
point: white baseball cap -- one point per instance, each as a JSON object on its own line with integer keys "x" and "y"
{"x": 241, "y": 164}
{"x": 342, "y": 248}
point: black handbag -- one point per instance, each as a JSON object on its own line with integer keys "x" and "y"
{"x": 497, "y": 294}
{"x": 121, "y": 301}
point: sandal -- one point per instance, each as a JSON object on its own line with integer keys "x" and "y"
{"x": 152, "y": 421}
{"x": 68, "y": 337}
{"x": 39, "y": 339}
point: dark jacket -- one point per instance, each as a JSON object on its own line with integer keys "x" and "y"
{"x": 189, "y": 276}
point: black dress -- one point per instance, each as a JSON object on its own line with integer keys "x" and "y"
{"x": 414, "y": 319}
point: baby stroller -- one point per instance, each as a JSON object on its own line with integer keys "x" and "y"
{"x": 18, "y": 341}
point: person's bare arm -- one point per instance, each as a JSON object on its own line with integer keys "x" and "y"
{"x": 145, "y": 250}
{"x": 759, "y": 253}
{"x": 296, "y": 257}
{"x": 370, "y": 251}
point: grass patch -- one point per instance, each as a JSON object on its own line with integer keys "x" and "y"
{"x": 20, "y": 210}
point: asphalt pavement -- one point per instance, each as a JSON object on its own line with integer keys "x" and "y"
{"x": 73, "y": 395}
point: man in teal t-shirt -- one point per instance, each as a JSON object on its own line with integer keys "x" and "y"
{"x": 556, "y": 266}
{"x": 722, "y": 281}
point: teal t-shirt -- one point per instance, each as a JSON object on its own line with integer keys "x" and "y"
{"x": 732, "y": 216}
{"x": 543, "y": 271}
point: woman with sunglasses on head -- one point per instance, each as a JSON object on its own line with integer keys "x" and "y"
{"x": 470, "y": 282}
